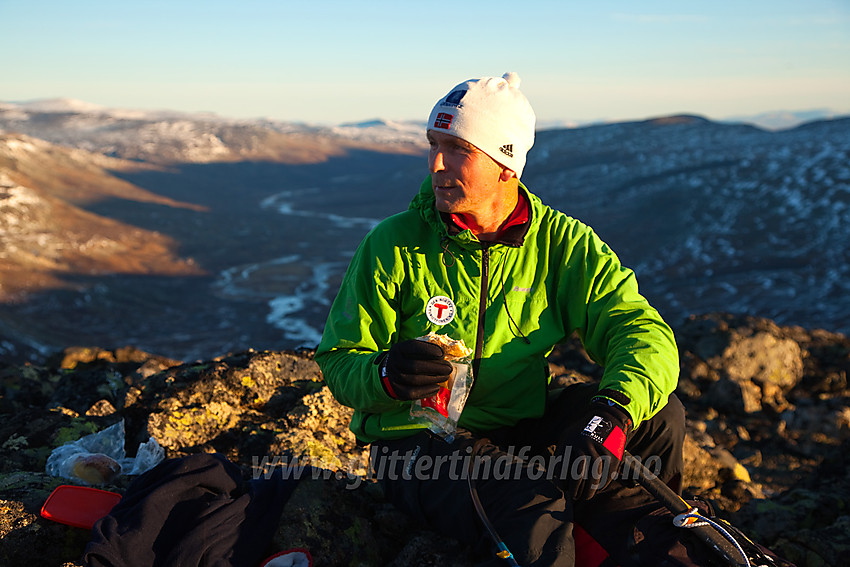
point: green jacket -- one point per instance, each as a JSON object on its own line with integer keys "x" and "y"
{"x": 514, "y": 301}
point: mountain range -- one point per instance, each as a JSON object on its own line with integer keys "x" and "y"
{"x": 192, "y": 235}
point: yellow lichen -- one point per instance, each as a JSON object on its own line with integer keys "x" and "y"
{"x": 74, "y": 431}
{"x": 741, "y": 473}
{"x": 322, "y": 455}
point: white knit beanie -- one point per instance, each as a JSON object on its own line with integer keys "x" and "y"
{"x": 490, "y": 113}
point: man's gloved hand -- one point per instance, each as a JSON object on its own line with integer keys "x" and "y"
{"x": 598, "y": 442}
{"x": 414, "y": 369}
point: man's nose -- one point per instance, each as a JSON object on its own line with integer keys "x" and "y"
{"x": 437, "y": 161}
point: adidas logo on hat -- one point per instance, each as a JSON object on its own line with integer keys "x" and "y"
{"x": 508, "y": 150}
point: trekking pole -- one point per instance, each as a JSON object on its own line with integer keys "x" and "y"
{"x": 686, "y": 516}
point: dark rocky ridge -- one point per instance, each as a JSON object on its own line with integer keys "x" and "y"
{"x": 768, "y": 439}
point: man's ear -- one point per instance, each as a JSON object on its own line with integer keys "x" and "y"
{"x": 507, "y": 174}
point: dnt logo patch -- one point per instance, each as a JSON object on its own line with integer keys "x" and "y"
{"x": 440, "y": 310}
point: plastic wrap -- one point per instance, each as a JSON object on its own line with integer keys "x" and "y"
{"x": 441, "y": 411}
{"x": 100, "y": 457}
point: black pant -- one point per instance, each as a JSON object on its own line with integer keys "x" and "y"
{"x": 518, "y": 478}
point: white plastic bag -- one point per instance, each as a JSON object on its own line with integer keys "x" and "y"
{"x": 100, "y": 457}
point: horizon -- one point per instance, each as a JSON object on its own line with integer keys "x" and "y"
{"x": 769, "y": 120}
{"x": 335, "y": 63}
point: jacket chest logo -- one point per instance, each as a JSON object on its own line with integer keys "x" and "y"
{"x": 440, "y": 310}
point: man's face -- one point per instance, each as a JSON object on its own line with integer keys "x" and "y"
{"x": 464, "y": 179}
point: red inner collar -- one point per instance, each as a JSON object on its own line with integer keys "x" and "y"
{"x": 517, "y": 217}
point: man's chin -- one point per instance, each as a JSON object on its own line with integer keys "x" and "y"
{"x": 442, "y": 203}
{"x": 444, "y": 206}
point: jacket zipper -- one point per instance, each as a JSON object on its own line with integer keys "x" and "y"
{"x": 482, "y": 309}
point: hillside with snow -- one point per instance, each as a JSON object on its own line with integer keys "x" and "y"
{"x": 713, "y": 216}
{"x": 191, "y": 235}
{"x": 46, "y": 231}
{"x": 174, "y": 137}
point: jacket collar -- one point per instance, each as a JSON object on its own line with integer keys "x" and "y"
{"x": 512, "y": 233}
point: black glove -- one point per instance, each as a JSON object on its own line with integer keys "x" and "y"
{"x": 598, "y": 444}
{"x": 414, "y": 369}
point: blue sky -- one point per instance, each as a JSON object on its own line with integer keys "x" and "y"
{"x": 332, "y": 61}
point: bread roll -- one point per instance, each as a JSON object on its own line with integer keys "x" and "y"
{"x": 96, "y": 468}
{"x": 453, "y": 349}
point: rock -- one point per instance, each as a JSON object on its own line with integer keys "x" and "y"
{"x": 748, "y": 362}
{"x": 21, "y": 528}
{"x": 101, "y": 408}
{"x": 740, "y": 396}
{"x": 765, "y": 358}
{"x": 338, "y": 524}
{"x": 701, "y": 470}
{"x": 810, "y": 523}
{"x": 758, "y": 448}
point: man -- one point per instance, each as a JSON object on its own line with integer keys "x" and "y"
{"x": 478, "y": 257}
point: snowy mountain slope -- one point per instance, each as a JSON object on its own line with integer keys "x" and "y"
{"x": 714, "y": 217}
{"x": 77, "y": 176}
{"x": 172, "y": 137}
{"x": 384, "y": 132}
{"x": 44, "y": 232}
